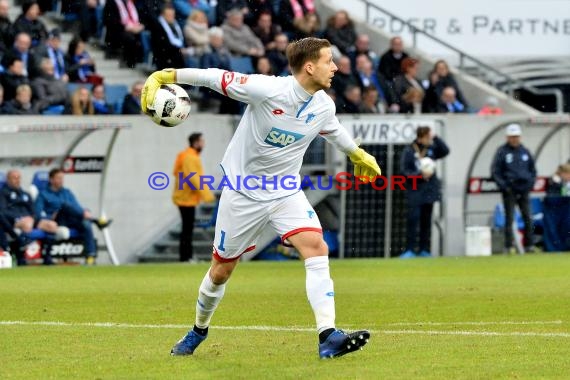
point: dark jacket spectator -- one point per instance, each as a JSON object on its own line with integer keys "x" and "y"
{"x": 340, "y": 31}
{"x": 404, "y": 82}
{"x": 6, "y": 36}
{"x": 15, "y": 202}
{"x": 132, "y": 102}
{"x": 13, "y": 76}
{"x": 22, "y": 103}
{"x": 514, "y": 172}
{"x": 344, "y": 77}
{"x": 167, "y": 40}
{"x": 239, "y": 38}
{"x": 266, "y": 30}
{"x": 100, "y": 104}
{"x": 370, "y": 101}
{"x": 81, "y": 103}
{"x": 29, "y": 23}
{"x": 391, "y": 62}
{"x": 351, "y": 100}
{"x": 80, "y": 65}
{"x": 278, "y": 56}
{"x": 257, "y": 8}
{"x": 196, "y": 33}
{"x": 52, "y": 50}
{"x": 263, "y": 66}
{"x": 124, "y": 27}
{"x": 48, "y": 91}
{"x": 428, "y": 188}
{"x": 445, "y": 79}
{"x": 21, "y": 49}
{"x": 449, "y": 102}
{"x": 293, "y": 13}
{"x": 362, "y": 46}
{"x": 225, "y": 6}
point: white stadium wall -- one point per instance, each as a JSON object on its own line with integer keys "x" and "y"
{"x": 142, "y": 214}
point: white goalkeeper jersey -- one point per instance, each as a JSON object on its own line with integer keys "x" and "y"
{"x": 278, "y": 125}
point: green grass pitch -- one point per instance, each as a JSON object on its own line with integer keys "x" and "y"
{"x": 451, "y": 318}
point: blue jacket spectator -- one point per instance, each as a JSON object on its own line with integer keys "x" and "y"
{"x": 80, "y": 65}
{"x": 52, "y": 50}
{"x": 15, "y": 202}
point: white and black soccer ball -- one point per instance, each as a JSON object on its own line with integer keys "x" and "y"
{"x": 171, "y": 105}
{"x": 427, "y": 166}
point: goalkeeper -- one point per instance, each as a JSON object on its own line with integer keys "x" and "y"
{"x": 283, "y": 116}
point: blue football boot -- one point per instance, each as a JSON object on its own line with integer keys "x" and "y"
{"x": 188, "y": 344}
{"x": 340, "y": 343}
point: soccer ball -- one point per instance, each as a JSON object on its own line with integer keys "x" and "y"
{"x": 427, "y": 166}
{"x": 171, "y": 105}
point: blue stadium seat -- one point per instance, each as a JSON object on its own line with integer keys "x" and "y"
{"x": 115, "y": 94}
{"x": 41, "y": 180}
{"x": 211, "y": 222}
{"x": 241, "y": 65}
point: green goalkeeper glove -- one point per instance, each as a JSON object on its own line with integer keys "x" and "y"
{"x": 364, "y": 164}
{"x": 152, "y": 84}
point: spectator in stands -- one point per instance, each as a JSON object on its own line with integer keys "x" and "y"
{"x": 218, "y": 57}
{"x": 308, "y": 26}
{"x": 239, "y": 38}
{"x": 366, "y": 74}
{"x": 22, "y": 44}
{"x": 28, "y": 22}
{"x": 559, "y": 184}
{"x": 121, "y": 18}
{"x": 491, "y": 107}
{"x": 6, "y": 36}
{"x": 196, "y": 33}
{"x": 88, "y": 14}
{"x": 446, "y": 79}
{"x": 81, "y": 103}
{"x": 267, "y": 31}
{"x": 13, "y": 76}
{"x": 58, "y": 204}
{"x": 17, "y": 204}
{"x": 391, "y": 62}
{"x": 22, "y": 102}
{"x": 513, "y": 170}
{"x": 351, "y": 100}
{"x": 2, "y": 104}
{"x": 100, "y": 104}
{"x": 278, "y": 55}
{"x": 295, "y": 13}
{"x": 263, "y": 66}
{"x": 428, "y": 191}
{"x": 186, "y": 199}
{"x": 52, "y": 50}
{"x": 370, "y": 101}
{"x": 224, "y": 7}
{"x": 132, "y": 102}
{"x": 340, "y": 31}
{"x": 50, "y": 93}
{"x": 413, "y": 98}
{"x": 405, "y": 81}
{"x": 185, "y": 8}
{"x": 167, "y": 40}
{"x": 432, "y": 97}
{"x": 257, "y": 8}
{"x": 344, "y": 76}
{"x": 362, "y": 46}
{"x": 80, "y": 66}
{"x": 449, "y": 102}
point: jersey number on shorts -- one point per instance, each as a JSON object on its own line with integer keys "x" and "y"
{"x": 221, "y": 246}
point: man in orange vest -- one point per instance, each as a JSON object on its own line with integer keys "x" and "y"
{"x": 188, "y": 161}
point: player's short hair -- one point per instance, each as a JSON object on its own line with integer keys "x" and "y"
{"x": 306, "y": 49}
{"x": 193, "y": 138}
{"x": 422, "y": 131}
{"x": 53, "y": 172}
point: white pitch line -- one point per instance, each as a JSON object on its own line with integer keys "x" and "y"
{"x": 279, "y": 328}
{"x": 480, "y": 323}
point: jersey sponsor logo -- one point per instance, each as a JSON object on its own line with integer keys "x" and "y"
{"x": 242, "y": 79}
{"x": 310, "y": 117}
{"x": 278, "y": 111}
{"x": 311, "y": 214}
{"x": 280, "y": 138}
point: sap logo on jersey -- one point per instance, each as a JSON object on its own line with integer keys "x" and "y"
{"x": 280, "y": 138}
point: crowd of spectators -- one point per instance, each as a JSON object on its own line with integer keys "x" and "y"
{"x": 205, "y": 34}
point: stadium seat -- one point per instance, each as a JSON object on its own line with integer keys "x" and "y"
{"x": 40, "y": 182}
{"x": 72, "y": 87}
{"x": 115, "y": 94}
{"x": 241, "y": 65}
{"x": 210, "y": 223}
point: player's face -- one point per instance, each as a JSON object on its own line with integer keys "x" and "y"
{"x": 324, "y": 69}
